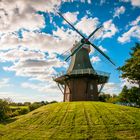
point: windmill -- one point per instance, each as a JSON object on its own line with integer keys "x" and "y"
{"x": 80, "y": 82}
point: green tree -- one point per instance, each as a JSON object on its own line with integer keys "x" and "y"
{"x": 104, "y": 97}
{"x": 134, "y": 96}
{"x": 130, "y": 96}
{"x": 131, "y": 69}
{"x": 123, "y": 96}
{"x": 4, "y": 110}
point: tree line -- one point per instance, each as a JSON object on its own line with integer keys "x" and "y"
{"x": 10, "y": 109}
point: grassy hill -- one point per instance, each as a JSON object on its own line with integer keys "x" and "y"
{"x": 76, "y": 120}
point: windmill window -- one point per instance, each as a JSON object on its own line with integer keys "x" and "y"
{"x": 91, "y": 86}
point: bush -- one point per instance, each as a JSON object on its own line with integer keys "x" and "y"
{"x": 5, "y": 110}
{"x": 23, "y": 111}
{"x": 34, "y": 106}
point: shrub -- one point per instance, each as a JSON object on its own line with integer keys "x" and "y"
{"x": 5, "y": 110}
{"x": 34, "y": 106}
{"x": 23, "y": 111}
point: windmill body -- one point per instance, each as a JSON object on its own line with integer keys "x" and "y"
{"x": 82, "y": 82}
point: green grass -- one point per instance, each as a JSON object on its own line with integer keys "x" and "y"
{"x": 17, "y": 107}
{"x": 75, "y": 120}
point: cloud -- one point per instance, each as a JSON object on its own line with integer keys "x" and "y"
{"x": 127, "y": 83}
{"x": 119, "y": 11}
{"x": 116, "y": 88}
{"x": 17, "y": 14}
{"x": 20, "y": 54}
{"x": 109, "y": 30}
{"x": 133, "y": 32}
{"x": 42, "y": 87}
{"x": 57, "y": 42}
{"x": 135, "y": 22}
{"x": 72, "y": 17}
{"x": 112, "y": 88}
{"x": 95, "y": 59}
{"x": 41, "y": 70}
{"x": 26, "y": 97}
{"x": 5, "y": 82}
{"x": 90, "y": 24}
{"x": 135, "y": 3}
{"x": 102, "y": 49}
{"x": 102, "y": 2}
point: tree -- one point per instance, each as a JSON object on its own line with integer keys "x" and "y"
{"x": 4, "y": 110}
{"x": 104, "y": 97}
{"x": 131, "y": 69}
{"x": 134, "y": 96}
{"x": 130, "y": 96}
{"x": 124, "y": 95}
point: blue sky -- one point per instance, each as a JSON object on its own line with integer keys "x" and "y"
{"x": 32, "y": 36}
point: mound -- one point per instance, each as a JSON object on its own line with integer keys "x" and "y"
{"x": 76, "y": 120}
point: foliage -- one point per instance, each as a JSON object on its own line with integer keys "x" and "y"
{"x": 76, "y": 120}
{"x": 35, "y": 105}
{"x": 108, "y": 98}
{"x": 124, "y": 94}
{"x": 53, "y": 102}
{"x": 104, "y": 97}
{"x": 131, "y": 96}
{"x": 131, "y": 69}
{"x": 4, "y": 110}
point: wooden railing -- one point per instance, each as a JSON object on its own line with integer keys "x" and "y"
{"x": 83, "y": 71}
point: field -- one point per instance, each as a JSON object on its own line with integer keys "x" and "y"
{"x": 75, "y": 120}
{"x": 18, "y": 107}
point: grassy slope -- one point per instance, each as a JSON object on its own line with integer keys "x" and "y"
{"x": 76, "y": 120}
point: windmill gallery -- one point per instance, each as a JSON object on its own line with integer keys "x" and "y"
{"x": 81, "y": 81}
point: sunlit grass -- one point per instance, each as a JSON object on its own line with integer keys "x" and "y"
{"x": 76, "y": 120}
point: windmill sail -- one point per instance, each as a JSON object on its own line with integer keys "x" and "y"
{"x": 86, "y": 40}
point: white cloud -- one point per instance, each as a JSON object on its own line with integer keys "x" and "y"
{"x": 128, "y": 83}
{"x": 109, "y": 29}
{"x": 41, "y": 70}
{"x": 102, "y": 48}
{"x": 135, "y": 22}
{"x": 26, "y": 97}
{"x": 102, "y": 2}
{"x": 119, "y": 11}
{"x": 135, "y": 3}
{"x": 20, "y": 54}
{"x": 88, "y": 1}
{"x": 112, "y": 88}
{"x": 133, "y": 32}
{"x": 60, "y": 41}
{"x": 72, "y": 17}
{"x": 95, "y": 59}
{"x": 42, "y": 87}
{"x": 116, "y": 88}
{"x": 90, "y": 24}
{"x": 9, "y": 41}
{"x": 16, "y": 14}
{"x": 5, "y": 82}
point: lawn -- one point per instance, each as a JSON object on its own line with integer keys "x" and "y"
{"x": 76, "y": 120}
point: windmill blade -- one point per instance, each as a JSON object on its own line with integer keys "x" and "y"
{"x": 94, "y": 32}
{"x": 102, "y": 53}
{"x": 75, "y": 51}
{"x": 71, "y": 25}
